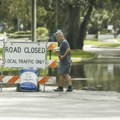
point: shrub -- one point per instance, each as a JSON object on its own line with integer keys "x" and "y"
{"x": 21, "y": 34}
{"x": 42, "y": 33}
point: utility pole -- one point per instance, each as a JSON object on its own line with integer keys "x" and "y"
{"x": 56, "y": 15}
{"x": 34, "y": 20}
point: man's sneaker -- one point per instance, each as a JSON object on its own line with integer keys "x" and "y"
{"x": 69, "y": 89}
{"x": 59, "y": 89}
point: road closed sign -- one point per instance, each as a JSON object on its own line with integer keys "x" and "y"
{"x": 25, "y": 54}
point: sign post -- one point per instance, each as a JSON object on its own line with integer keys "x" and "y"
{"x": 1, "y": 43}
{"x": 34, "y": 20}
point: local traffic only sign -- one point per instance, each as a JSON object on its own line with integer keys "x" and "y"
{"x": 29, "y": 54}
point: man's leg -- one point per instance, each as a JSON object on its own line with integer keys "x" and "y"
{"x": 60, "y": 84}
{"x": 61, "y": 80}
{"x": 69, "y": 80}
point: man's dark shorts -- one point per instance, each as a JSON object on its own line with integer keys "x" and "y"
{"x": 64, "y": 69}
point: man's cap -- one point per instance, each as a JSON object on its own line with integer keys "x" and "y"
{"x": 59, "y": 32}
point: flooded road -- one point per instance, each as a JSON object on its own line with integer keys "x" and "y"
{"x": 96, "y": 76}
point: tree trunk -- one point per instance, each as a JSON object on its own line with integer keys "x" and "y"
{"x": 84, "y": 25}
{"x": 72, "y": 26}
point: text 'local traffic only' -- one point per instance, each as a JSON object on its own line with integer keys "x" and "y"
{"x": 25, "y": 61}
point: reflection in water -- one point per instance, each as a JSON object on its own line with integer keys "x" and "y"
{"x": 77, "y": 71}
{"x": 99, "y": 76}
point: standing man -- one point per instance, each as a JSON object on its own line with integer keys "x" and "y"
{"x": 64, "y": 67}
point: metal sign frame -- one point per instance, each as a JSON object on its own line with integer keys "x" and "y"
{"x": 24, "y": 54}
{"x": 2, "y": 43}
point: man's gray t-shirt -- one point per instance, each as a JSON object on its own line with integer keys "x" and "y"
{"x": 64, "y": 45}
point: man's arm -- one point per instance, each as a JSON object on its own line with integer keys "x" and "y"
{"x": 66, "y": 52}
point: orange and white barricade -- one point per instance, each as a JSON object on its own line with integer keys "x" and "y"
{"x": 10, "y": 79}
{"x": 52, "y": 63}
{"x": 16, "y": 79}
{"x": 45, "y": 80}
{"x": 52, "y": 45}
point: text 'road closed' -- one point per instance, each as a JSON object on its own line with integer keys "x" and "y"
{"x": 25, "y": 50}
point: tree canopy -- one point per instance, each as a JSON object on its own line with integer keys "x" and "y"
{"x": 74, "y": 17}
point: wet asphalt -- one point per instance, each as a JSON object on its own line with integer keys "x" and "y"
{"x": 79, "y": 104}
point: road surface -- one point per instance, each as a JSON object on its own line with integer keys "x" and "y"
{"x": 78, "y": 104}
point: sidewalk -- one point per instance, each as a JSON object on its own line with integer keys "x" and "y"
{"x": 78, "y": 104}
{"x": 103, "y": 52}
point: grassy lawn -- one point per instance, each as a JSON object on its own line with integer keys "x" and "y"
{"x": 77, "y": 55}
{"x": 102, "y": 44}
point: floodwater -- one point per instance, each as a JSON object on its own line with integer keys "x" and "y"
{"x": 100, "y": 76}
{"x": 96, "y": 76}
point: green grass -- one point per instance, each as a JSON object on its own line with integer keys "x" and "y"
{"x": 77, "y": 55}
{"x": 81, "y": 54}
{"x": 1, "y": 52}
{"x": 102, "y": 44}
{"x": 92, "y": 42}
